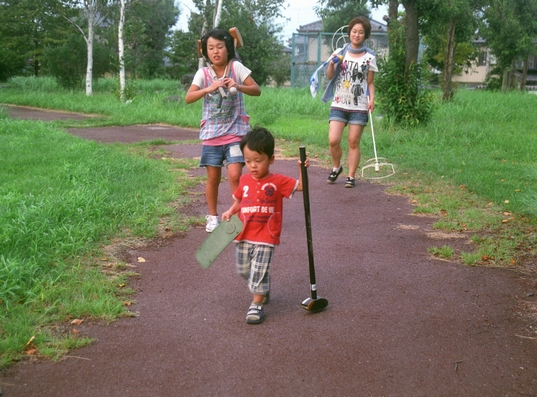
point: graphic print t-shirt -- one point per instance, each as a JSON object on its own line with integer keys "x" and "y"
{"x": 262, "y": 207}
{"x": 351, "y": 87}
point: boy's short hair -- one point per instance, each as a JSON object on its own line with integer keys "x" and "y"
{"x": 362, "y": 21}
{"x": 259, "y": 140}
{"x": 222, "y": 35}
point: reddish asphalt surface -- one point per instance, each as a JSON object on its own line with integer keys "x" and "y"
{"x": 398, "y": 323}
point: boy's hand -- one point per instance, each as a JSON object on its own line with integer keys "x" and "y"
{"x": 232, "y": 210}
{"x": 306, "y": 163}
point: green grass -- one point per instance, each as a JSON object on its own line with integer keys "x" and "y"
{"x": 444, "y": 252}
{"x": 63, "y": 199}
{"x": 482, "y": 141}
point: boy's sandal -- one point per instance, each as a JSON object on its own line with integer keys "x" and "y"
{"x": 255, "y": 314}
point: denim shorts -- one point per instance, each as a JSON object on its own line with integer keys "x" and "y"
{"x": 348, "y": 117}
{"x": 215, "y": 156}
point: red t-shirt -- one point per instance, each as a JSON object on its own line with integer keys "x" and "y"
{"x": 262, "y": 207}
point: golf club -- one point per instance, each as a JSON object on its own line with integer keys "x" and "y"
{"x": 313, "y": 303}
{"x": 221, "y": 90}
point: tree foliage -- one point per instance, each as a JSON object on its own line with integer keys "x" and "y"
{"x": 182, "y": 52}
{"x": 27, "y": 27}
{"x": 448, "y": 28}
{"x": 147, "y": 24}
{"x": 31, "y": 28}
{"x": 262, "y": 51}
{"x": 400, "y": 91}
{"x": 510, "y": 31}
{"x": 67, "y": 62}
{"x": 338, "y": 13}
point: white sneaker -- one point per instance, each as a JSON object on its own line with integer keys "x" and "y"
{"x": 212, "y": 223}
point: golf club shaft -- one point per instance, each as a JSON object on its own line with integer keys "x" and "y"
{"x": 221, "y": 90}
{"x": 306, "y": 195}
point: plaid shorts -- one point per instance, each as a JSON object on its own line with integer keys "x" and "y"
{"x": 253, "y": 264}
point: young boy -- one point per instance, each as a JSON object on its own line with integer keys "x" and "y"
{"x": 259, "y": 198}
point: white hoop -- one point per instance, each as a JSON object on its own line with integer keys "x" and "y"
{"x": 342, "y": 37}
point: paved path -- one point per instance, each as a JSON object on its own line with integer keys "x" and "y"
{"x": 399, "y": 323}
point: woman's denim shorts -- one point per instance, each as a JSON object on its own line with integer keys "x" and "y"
{"x": 215, "y": 156}
{"x": 348, "y": 117}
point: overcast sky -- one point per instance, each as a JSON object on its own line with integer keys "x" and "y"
{"x": 300, "y": 13}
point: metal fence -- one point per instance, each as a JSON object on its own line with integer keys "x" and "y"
{"x": 310, "y": 50}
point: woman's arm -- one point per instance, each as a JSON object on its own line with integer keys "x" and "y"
{"x": 330, "y": 68}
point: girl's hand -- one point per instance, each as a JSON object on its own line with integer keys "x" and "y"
{"x": 230, "y": 83}
{"x": 215, "y": 85}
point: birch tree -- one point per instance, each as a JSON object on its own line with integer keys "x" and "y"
{"x": 121, "y": 50}
{"x": 216, "y": 22}
{"x": 95, "y": 12}
{"x": 218, "y": 13}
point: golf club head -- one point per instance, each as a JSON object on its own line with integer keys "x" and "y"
{"x": 314, "y": 305}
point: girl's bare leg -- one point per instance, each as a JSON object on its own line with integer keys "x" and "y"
{"x": 355, "y": 134}
{"x": 214, "y": 175}
{"x": 334, "y": 139}
{"x": 234, "y": 172}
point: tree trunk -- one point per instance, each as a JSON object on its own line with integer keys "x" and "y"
{"x": 524, "y": 75}
{"x": 217, "y": 13}
{"x": 393, "y": 13}
{"x": 412, "y": 41}
{"x": 508, "y": 82}
{"x": 449, "y": 54}
{"x": 89, "y": 41}
{"x": 35, "y": 59}
{"x": 201, "y": 62}
{"x": 512, "y": 77}
{"x": 505, "y": 79}
{"x": 121, "y": 50}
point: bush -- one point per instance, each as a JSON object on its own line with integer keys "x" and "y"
{"x": 68, "y": 62}
{"x": 402, "y": 95}
{"x": 404, "y": 100}
{"x": 11, "y": 63}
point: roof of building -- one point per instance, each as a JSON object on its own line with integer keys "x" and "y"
{"x": 317, "y": 26}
